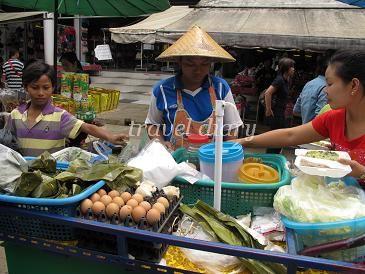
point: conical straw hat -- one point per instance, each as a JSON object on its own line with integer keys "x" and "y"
{"x": 196, "y": 42}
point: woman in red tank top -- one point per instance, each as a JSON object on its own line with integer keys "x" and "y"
{"x": 344, "y": 125}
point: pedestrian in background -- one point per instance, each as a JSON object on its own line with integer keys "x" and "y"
{"x": 13, "y": 70}
{"x": 276, "y": 97}
{"x": 313, "y": 96}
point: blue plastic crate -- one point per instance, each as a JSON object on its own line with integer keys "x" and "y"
{"x": 38, "y": 228}
{"x": 237, "y": 198}
{"x": 312, "y": 234}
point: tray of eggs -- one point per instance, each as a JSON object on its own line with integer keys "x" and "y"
{"x": 129, "y": 209}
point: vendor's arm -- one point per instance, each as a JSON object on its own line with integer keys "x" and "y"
{"x": 102, "y": 133}
{"x": 231, "y": 119}
{"x": 303, "y": 134}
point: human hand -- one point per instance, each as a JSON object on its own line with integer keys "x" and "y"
{"x": 269, "y": 112}
{"x": 118, "y": 139}
{"x": 357, "y": 169}
{"x": 168, "y": 145}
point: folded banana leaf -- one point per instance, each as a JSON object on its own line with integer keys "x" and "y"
{"x": 226, "y": 229}
{"x": 117, "y": 176}
{"x": 27, "y": 183}
{"x": 45, "y": 163}
{"x": 49, "y": 187}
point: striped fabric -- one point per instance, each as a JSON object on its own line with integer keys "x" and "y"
{"x": 52, "y": 126}
{"x": 13, "y": 71}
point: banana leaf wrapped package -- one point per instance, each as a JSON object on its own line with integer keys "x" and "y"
{"x": 225, "y": 229}
{"x": 116, "y": 175}
{"x": 45, "y": 163}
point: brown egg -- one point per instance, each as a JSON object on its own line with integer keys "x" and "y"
{"x": 106, "y": 199}
{"x": 164, "y": 201}
{"x": 98, "y": 207}
{"x": 137, "y": 213}
{"x": 138, "y": 198}
{"x": 112, "y": 209}
{"x": 145, "y": 205}
{"x": 160, "y": 207}
{"x": 101, "y": 192}
{"x": 125, "y": 211}
{"x": 85, "y": 205}
{"x": 133, "y": 203}
{"x": 119, "y": 201}
{"x": 153, "y": 216}
{"x": 95, "y": 197}
{"x": 126, "y": 196}
{"x": 113, "y": 193}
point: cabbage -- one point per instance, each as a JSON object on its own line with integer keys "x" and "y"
{"x": 309, "y": 199}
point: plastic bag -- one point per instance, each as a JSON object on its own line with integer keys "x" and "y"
{"x": 311, "y": 199}
{"x": 159, "y": 166}
{"x": 70, "y": 154}
{"x": 212, "y": 262}
{"x": 7, "y": 138}
{"x": 12, "y": 166}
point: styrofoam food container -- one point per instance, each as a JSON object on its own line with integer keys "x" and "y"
{"x": 334, "y": 170}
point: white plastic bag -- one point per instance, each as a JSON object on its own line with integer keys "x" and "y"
{"x": 159, "y": 166}
{"x": 12, "y": 166}
{"x": 70, "y": 154}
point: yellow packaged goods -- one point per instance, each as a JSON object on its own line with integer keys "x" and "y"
{"x": 104, "y": 101}
{"x": 72, "y": 107}
{"x": 67, "y": 80}
{"x": 81, "y": 86}
{"x": 116, "y": 98}
{"x": 63, "y": 102}
{"x": 96, "y": 97}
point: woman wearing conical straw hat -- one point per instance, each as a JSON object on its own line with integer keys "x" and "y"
{"x": 184, "y": 104}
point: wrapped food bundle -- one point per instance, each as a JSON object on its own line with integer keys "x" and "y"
{"x": 67, "y": 82}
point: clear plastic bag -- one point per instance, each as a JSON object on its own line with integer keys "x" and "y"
{"x": 311, "y": 199}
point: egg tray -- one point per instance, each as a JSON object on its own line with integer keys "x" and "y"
{"x": 141, "y": 250}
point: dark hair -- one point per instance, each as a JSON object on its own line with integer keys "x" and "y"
{"x": 12, "y": 52}
{"x": 72, "y": 58}
{"x": 349, "y": 64}
{"x": 36, "y": 70}
{"x": 322, "y": 62}
{"x": 285, "y": 64}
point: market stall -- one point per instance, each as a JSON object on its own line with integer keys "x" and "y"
{"x": 81, "y": 227}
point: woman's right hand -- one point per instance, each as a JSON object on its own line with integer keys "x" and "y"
{"x": 269, "y": 112}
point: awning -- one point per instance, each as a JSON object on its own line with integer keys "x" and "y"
{"x": 284, "y": 28}
{"x": 145, "y": 31}
{"x": 6, "y": 17}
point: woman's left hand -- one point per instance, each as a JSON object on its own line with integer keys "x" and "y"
{"x": 357, "y": 169}
{"x": 118, "y": 139}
